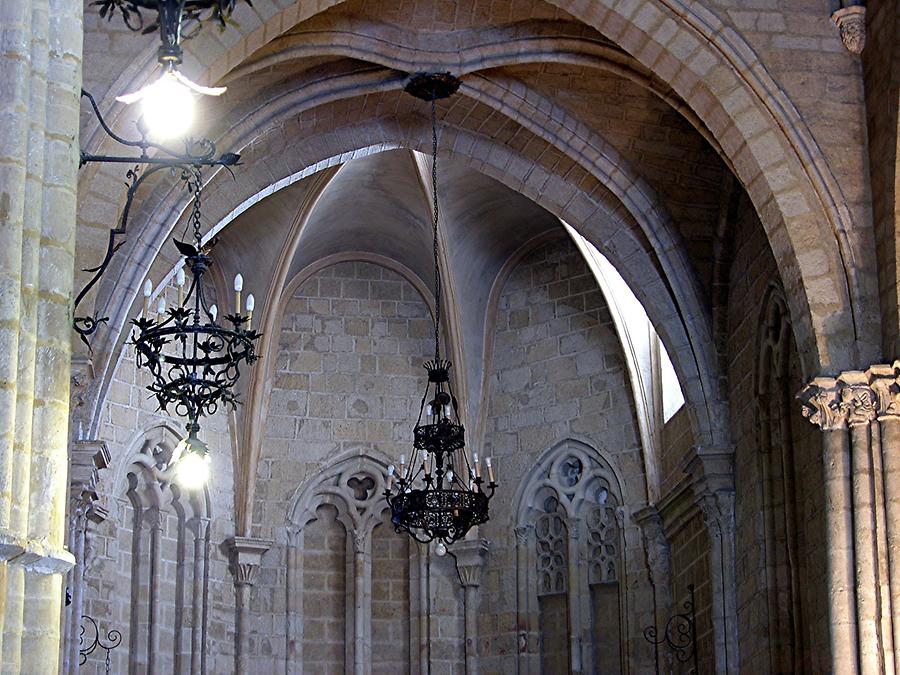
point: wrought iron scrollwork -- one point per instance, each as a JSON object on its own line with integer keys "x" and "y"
{"x": 679, "y": 636}
{"x": 197, "y": 153}
{"x": 86, "y": 646}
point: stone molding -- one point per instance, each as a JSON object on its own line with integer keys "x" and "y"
{"x": 470, "y": 556}
{"x": 853, "y": 398}
{"x": 851, "y": 22}
{"x": 246, "y": 555}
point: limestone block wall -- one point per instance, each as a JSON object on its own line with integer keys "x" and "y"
{"x": 348, "y": 382}
{"x": 556, "y": 372}
{"x": 752, "y": 274}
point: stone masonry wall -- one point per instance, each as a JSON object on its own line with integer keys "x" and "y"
{"x": 752, "y": 271}
{"x": 348, "y": 378}
{"x": 557, "y": 371}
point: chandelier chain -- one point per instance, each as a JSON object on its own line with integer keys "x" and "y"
{"x": 437, "y": 271}
{"x": 195, "y": 214}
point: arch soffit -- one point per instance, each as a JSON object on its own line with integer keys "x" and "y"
{"x": 724, "y": 82}
{"x": 616, "y": 244}
{"x": 659, "y": 307}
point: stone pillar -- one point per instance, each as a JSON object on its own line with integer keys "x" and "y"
{"x": 40, "y": 81}
{"x": 712, "y": 474}
{"x": 362, "y": 602}
{"x": 859, "y": 413}
{"x": 659, "y": 563}
{"x": 469, "y": 563}
{"x": 887, "y": 391}
{"x": 199, "y": 527}
{"x": 88, "y": 459}
{"x": 246, "y": 555}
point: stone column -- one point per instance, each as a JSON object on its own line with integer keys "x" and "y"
{"x": 887, "y": 391}
{"x": 857, "y": 403}
{"x": 469, "y": 563}
{"x": 362, "y": 602}
{"x": 246, "y": 555}
{"x": 659, "y": 563}
{"x": 199, "y": 527}
{"x": 527, "y": 640}
{"x": 576, "y": 625}
{"x": 88, "y": 458}
{"x": 155, "y": 517}
{"x": 712, "y": 473}
{"x": 858, "y": 487}
{"x": 40, "y": 80}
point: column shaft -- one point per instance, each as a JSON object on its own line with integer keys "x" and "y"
{"x": 471, "y": 622}
{"x": 890, "y": 440}
{"x": 839, "y": 535}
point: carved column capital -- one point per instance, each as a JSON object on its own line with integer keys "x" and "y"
{"x": 886, "y": 387}
{"x": 245, "y": 557}
{"x": 718, "y": 513}
{"x": 470, "y": 556}
{"x": 88, "y": 458}
{"x": 821, "y": 401}
{"x": 851, "y": 22}
{"x": 857, "y": 399}
{"x": 656, "y": 545}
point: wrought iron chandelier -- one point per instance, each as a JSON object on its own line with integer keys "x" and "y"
{"x": 168, "y": 102}
{"x": 440, "y": 494}
{"x": 194, "y": 361}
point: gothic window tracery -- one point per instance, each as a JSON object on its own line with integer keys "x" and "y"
{"x": 163, "y": 541}
{"x": 570, "y": 519}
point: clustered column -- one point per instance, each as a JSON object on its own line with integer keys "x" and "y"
{"x": 858, "y": 413}
{"x": 40, "y": 81}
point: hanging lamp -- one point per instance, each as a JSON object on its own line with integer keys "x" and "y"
{"x": 194, "y": 360}
{"x": 440, "y": 494}
{"x": 167, "y": 103}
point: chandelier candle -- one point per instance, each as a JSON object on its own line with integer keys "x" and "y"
{"x": 238, "y": 287}
{"x": 179, "y": 283}
{"x": 431, "y": 502}
{"x": 251, "y": 304}
{"x": 148, "y": 292}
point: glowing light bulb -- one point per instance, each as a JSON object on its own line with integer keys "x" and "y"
{"x": 193, "y": 470}
{"x": 168, "y": 103}
{"x": 213, "y": 312}
{"x": 251, "y": 303}
{"x": 440, "y": 549}
{"x": 168, "y": 108}
{"x": 161, "y": 306}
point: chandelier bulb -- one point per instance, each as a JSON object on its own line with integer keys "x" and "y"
{"x": 450, "y": 475}
{"x": 148, "y": 288}
{"x": 429, "y": 410}
{"x": 251, "y": 303}
{"x": 440, "y": 549}
{"x": 161, "y": 305}
{"x": 238, "y": 283}
{"x": 193, "y": 470}
{"x": 213, "y": 313}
